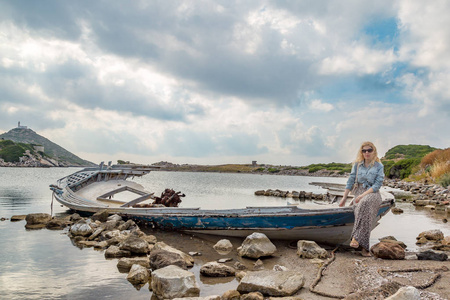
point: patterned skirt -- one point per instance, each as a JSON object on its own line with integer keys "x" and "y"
{"x": 366, "y": 211}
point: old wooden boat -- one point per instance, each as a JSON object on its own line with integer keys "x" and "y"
{"x": 96, "y": 189}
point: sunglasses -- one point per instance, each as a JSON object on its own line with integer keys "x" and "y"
{"x": 367, "y": 150}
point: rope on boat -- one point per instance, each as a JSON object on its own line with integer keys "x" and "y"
{"x": 425, "y": 285}
{"x": 319, "y": 277}
{"x": 51, "y": 205}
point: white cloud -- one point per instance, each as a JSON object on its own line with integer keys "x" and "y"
{"x": 317, "y": 104}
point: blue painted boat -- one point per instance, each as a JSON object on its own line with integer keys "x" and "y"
{"x": 93, "y": 189}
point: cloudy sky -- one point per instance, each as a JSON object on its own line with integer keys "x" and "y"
{"x": 212, "y": 82}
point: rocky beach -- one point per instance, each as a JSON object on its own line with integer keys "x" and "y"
{"x": 163, "y": 262}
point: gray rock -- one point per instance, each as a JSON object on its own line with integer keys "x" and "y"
{"x": 432, "y": 235}
{"x": 212, "y": 297}
{"x": 223, "y": 246}
{"x": 151, "y": 239}
{"x": 162, "y": 258}
{"x": 252, "y": 296}
{"x": 96, "y": 233}
{"x": 126, "y": 225}
{"x": 101, "y": 216}
{"x": 138, "y": 274}
{"x": 231, "y": 295}
{"x": 272, "y": 283}
{"x": 37, "y": 221}
{"x": 173, "y": 282}
{"x": 258, "y": 265}
{"x": 215, "y": 269}
{"x": 388, "y": 250}
{"x": 406, "y": 293}
{"x": 135, "y": 245}
{"x": 115, "y": 252}
{"x": 125, "y": 263}
{"x": 116, "y": 218}
{"x": 163, "y": 246}
{"x": 310, "y": 249}
{"x": 57, "y": 224}
{"x": 432, "y": 255}
{"x": 81, "y": 228}
{"x": 256, "y": 245}
{"x": 16, "y": 218}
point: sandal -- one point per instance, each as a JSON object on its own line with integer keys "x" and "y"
{"x": 354, "y": 243}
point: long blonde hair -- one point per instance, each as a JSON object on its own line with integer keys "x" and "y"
{"x": 360, "y": 157}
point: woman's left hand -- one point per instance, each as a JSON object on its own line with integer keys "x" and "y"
{"x": 357, "y": 199}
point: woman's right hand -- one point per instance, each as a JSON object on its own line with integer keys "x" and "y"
{"x": 342, "y": 203}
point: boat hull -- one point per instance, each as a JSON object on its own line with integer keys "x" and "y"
{"x": 331, "y": 226}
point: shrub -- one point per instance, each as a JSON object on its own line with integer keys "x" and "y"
{"x": 445, "y": 180}
{"x": 12, "y": 153}
{"x": 439, "y": 168}
{"x": 273, "y": 170}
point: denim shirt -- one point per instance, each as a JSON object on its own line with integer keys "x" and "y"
{"x": 371, "y": 177}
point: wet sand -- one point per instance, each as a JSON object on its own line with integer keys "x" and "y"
{"x": 348, "y": 273}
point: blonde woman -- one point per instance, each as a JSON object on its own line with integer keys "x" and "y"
{"x": 368, "y": 174}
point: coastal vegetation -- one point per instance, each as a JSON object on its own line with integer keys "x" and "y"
{"x": 11, "y": 152}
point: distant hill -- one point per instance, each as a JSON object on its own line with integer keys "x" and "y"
{"x": 51, "y": 150}
{"x": 403, "y": 160}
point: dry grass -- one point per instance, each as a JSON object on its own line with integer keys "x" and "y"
{"x": 440, "y": 168}
{"x": 437, "y": 163}
{"x": 435, "y": 156}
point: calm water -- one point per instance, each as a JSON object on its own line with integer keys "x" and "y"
{"x": 44, "y": 264}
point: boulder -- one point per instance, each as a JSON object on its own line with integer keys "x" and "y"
{"x": 260, "y": 193}
{"x": 231, "y": 295}
{"x": 37, "y": 221}
{"x": 272, "y": 283}
{"x": 110, "y": 224}
{"x": 56, "y": 224}
{"x": 223, "y": 246}
{"x": 388, "y": 250}
{"x": 101, "y": 216}
{"x": 16, "y": 218}
{"x": 256, "y": 245}
{"x": 212, "y": 297}
{"x": 239, "y": 266}
{"x": 151, "y": 239}
{"x": 432, "y": 235}
{"x": 258, "y": 265}
{"x": 115, "y": 252}
{"x": 406, "y": 293}
{"x": 215, "y": 269}
{"x": 252, "y": 296}
{"x": 81, "y": 228}
{"x": 135, "y": 245}
{"x": 75, "y": 217}
{"x": 310, "y": 249}
{"x": 173, "y": 282}
{"x": 187, "y": 258}
{"x": 138, "y": 275}
{"x": 401, "y": 244}
{"x": 126, "y": 225}
{"x": 96, "y": 233}
{"x": 125, "y": 263}
{"x": 115, "y": 217}
{"x": 432, "y": 255}
{"x": 162, "y": 258}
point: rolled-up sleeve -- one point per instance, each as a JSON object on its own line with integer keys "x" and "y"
{"x": 351, "y": 179}
{"x": 378, "y": 179}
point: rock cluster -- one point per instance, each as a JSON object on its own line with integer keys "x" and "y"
{"x": 166, "y": 269}
{"x": 420, "y": 190}
{"x": 293, "y": 194}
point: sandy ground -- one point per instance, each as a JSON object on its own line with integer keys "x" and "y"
{"x": 348, "y": 273}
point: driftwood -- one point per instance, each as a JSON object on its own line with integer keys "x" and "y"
{"x": 169, "y": 198}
